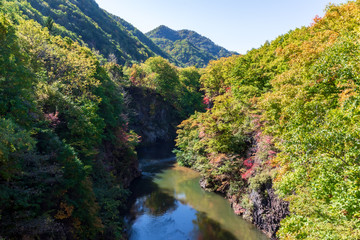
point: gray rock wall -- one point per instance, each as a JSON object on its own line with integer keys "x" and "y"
{"x": 268, "y": 210}
{"x": 153, "y": 118}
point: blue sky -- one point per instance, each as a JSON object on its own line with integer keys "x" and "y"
{"x": 238, "y": 25}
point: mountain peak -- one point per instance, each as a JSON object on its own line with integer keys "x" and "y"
{"x": 187, "y": 46}
{"x": 164, "y": 32}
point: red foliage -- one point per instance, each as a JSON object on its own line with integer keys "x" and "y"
{"x": 248, "y": 163}
{"x": 206, "y": 100}
{"x": 267, "y": 140}
{"x": 122, "y": 135}
{"x": 248, "y": 173}
{"x": 53, "y": 118}
{"x": 315, "y": 20}
{"x": 271, "y": 153}
{"x": 125, "y": 138}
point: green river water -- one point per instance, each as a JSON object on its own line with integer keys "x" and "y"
{"x": 168, "y": 203}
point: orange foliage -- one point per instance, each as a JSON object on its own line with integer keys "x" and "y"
{"x": 64, "y": 212}
{"x": 316, "y": 20}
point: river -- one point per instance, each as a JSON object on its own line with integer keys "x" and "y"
{"x": 168, "y": 203}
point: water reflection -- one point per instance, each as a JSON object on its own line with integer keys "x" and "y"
{"x": 183, "y": 183}
{"x": 160, "y": 216}
{"x": 168, "y": 203}
{"x": 208, "y": 229}
{"x": 159, "y": 203}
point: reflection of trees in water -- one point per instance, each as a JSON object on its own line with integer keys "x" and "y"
{"x": 156, "y": 199}
{"x": 159, "y": 203}
{"x": 148, "y": 197}
{"x": 210, "y": 229}
{"x": 195, "y": 196}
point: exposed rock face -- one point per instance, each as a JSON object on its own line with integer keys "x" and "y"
{"x": 153, "y": 118}
{"x": 204, "y": 184}
{"x": 268, "y": 210}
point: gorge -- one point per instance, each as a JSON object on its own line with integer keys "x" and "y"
{"x": 90, "y": 108}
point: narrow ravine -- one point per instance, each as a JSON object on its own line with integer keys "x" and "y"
{"x": 168, "y": 203}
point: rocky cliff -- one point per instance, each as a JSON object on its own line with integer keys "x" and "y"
{"x": 152, "y": 118}
{"x": 268, "y": 210}
{"x": 265, "y": 210}
{"x": 254, "y": 198}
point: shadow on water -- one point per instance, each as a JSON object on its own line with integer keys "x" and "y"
{"x": 209, "y": 229}
{"x": 146, "y": 195}
{"x": 156, "y": 151}
{"x": 155, "y": 214}
{"x": 148, "y": 198}
{"x": 167, "y": 203}
{"x": 160, "y": 203}
{"x": 156, "y": 158}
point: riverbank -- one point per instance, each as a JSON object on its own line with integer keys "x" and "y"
{"x": 168, "y": 203}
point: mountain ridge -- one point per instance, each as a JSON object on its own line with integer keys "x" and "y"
{"x": 183, "y": 44}
{"x": 84, "y": 21}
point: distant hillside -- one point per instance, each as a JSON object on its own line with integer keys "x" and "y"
{"x": 85, "y": 21}
{"x": 187, "y": 47}
{"x": 144, "y": 39}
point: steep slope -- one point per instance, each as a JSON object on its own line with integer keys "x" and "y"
{"x": 84, "y": 21}
{"x": 281, "y": 137}
{"x": 185, "y": 52}
{"x": 144, "y": 39}
{"x": 66, "y": 151}
{"x": 188, "y": 47}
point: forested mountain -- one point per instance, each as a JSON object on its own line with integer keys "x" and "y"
{"x": 84, "y": 21}
{"x": 188, "y": 47}
{"x": 66, "y": 151}
{"x": 145, "y": 40}
{"x": 281, "y": 136}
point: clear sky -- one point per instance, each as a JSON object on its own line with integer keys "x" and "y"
{"x": 238, "y": 25}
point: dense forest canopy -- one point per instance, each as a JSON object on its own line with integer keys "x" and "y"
{"x": 287, "y": 113}
{"x": 85, "y": 22}
{"x": 66, "y": 152}
{"x": 59, "y": 109}
{"x": 188, "y": 47}
{"x": 279, "y": 124}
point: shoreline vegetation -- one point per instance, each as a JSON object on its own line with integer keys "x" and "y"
{"x": 280, "y": 136}
{"x": 275, "y": 130}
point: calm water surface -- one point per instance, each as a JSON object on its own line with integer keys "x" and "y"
{"x": 168, "y": 203}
